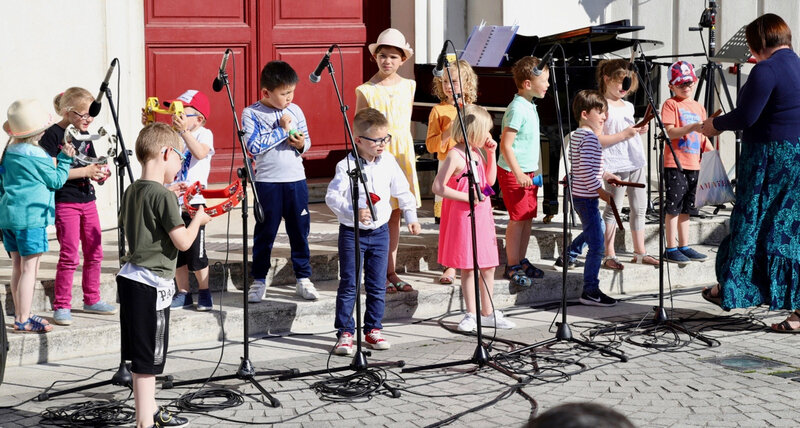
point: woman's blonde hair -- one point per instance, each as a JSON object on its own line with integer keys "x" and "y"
{"x": 469, "y": 82}
{"x": 71, "y": 99}
{"x": 478, "y": 123}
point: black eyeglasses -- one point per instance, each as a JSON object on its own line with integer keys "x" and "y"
{"x": 684, "y": 84}
{"x": 379, "y": 141}
{"x": 85, "y": 116}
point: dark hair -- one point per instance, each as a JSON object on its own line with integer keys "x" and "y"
{"x": 616, "y": 69}
{"x": 581, "y": 415}
{"x": 276, "y": 74}
{"x": 586, "y": 100}
{"x": 767, "y": 31}
{"x": 523, "y": 69}
{"x": 367, "y": 118}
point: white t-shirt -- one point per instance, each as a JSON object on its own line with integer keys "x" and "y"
{"x": 627, "y": 155}
{"x": 194, "y": 169}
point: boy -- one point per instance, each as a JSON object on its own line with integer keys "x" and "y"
{"x": 585, "y": 154}
{"x": 155, "y": 232}
{"x": 276, "y": 136}
{"x": 683, "y": 118}
{"x": 519, "y": 159}
{"x": 198, "y": 150}
{"x": 384, "y": 180}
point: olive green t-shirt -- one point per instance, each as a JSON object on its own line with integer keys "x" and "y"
{"x": 148, "y": 213}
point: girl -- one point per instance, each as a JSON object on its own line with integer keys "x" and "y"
{"x": 442, "y": 115}
{"x": 455, "y": 237}
{"x": 623, "y": 156}
{"x": 393, "y": 96}
{"x": 77, "y": 221}
{"x": 28, "y": 178}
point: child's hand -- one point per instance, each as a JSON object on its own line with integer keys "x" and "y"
{"x": 178, "y": 188}
{"x": 179, "y": 122}
{"x": 68, "y": 149}
{"x": 629, "y": 132}
{"x": 695, "y": 127}
{"x": 643, "y": 129}
{"x": 144, "y": 117}
{"x": 95, "y": 172}
{"x": 364, "y": 217}
{"x": 414, "y": 228}
{"x": 605, "y": 196}
{"x": 297, "y": 140}
{"x": 524, "y": 180}
{"x": 490, "y": 146}
{"x": 285, "y": 121}
{"x": 607, "y": 176}
{"x": 201, "y": 215}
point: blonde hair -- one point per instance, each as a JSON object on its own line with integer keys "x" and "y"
{"x": 152, "y": 138}
{"x": 469, "y": 82}
{"x": 615, "y": 70}
{"x": 478, "y": 123}
{"x": 70, "y": 99}
{"x": 368, "y": 118}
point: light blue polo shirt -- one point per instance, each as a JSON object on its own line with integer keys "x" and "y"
{"x": 521, "y": 115}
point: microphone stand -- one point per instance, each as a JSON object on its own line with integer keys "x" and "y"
{"x": 359, "y": 363}
{"x": 246, "y": 370}
{"x": 563, "y": 332}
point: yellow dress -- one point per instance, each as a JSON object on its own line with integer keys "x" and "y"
{"x": 395, "y": 102}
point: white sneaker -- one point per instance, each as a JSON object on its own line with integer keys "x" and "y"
{"x": 345, "y": 344}
{"x": 305, "y": 289}
{"x": 468, "y": 323}
{"x": 497, "y": 320}
{"x": 256, "y": 292}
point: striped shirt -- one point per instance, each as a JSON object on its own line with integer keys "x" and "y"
{"x": 586, "y": 159}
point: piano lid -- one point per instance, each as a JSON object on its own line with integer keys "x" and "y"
{"x": 578, "y": 43}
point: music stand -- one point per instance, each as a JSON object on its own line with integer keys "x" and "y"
{"x": 359, "y": 364}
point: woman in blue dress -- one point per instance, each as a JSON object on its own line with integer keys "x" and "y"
{"x": 759, "y": 262}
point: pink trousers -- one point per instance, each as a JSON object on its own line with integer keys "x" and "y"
{"x": 77, "y": 224}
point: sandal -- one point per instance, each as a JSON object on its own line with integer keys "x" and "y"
{"x": 612, "y": 263}
{"x": 400, "y": 285}
{"x": 644, "y": 259}
{"x": 517, "y": 276}
{"x": 447, "y": 279}
{"x": 785, "y": 327}
{"x": 531, "y": 271}
{"x": 32, "y": 326}
{"x": 714, "y": 299}
{"x": 390, "y": 288}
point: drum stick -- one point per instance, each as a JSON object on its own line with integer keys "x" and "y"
{"x": 616, "y": 213}
{"x": 626, "y": 183}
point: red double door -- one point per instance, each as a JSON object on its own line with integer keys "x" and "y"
{"x": 185, "y": 42}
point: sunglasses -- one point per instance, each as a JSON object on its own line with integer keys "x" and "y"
{"x": 378, "y": 141}
{"x": 180, "y": 155}
{"x": 684, "y": 85}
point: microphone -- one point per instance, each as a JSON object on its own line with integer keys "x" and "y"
{"x": 94, "y": 109}
{"x": 219, "y": 82}
{"x": 537, "y": 71}
{"x": 441, "y": 61}
{"x": 314, "y": 77}
{"x": 627, "y": 80}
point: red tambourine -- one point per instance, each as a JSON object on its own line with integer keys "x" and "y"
{"x": 233, "y": 194}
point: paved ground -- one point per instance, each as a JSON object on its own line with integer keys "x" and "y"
{"x": 681, "y": 383}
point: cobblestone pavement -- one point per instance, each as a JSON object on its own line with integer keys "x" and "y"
{"x": 749, "y": 378}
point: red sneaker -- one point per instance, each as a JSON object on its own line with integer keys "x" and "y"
{"x": 376, "y": 341}
{"x": 345, "y": 344}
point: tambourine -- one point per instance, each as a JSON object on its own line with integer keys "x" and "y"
{"x": 152, "y": 107}
{"x": 234, "y": 194}
{"x": 75, "y": 135}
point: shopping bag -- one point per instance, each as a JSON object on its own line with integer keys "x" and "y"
{"x": 713, "y": 186}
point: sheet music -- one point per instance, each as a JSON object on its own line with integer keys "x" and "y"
{"x": 734, "y": 50}
{"x": 487, "y": 44}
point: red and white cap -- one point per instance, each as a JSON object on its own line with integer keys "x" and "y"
{"x": 195, "y": 99}
{"x": 680, "y": 72}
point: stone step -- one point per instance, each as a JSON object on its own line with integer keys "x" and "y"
{"x": 282, "y": 311}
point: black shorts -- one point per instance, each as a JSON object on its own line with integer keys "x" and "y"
{"x": 195, "y": 257}
{"x": 144, "y": 330}
{"x": 680, "y": 189}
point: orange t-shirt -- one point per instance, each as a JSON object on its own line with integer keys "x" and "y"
{"x": 678, "y": 113}
{"x": 441, "y": 117}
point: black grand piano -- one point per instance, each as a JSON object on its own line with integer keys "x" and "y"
{"x": 496, "y": 86}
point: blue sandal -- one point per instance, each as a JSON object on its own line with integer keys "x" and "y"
{"x": 32, "y": 325}
{"x": 517, "y": 276}
{"x": 530, "y": 270}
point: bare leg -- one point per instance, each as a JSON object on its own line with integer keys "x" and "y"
{"x": 144, "y": 396}
{"x": 202, "y": 278}
{"x": 182, "y": 278}
{"x": 468, "y": 289}
{"x": 683, "y": 230}
{"x": 671, "y": 224}
{"x": 487, "y": 277}
{"x": 515, "y": 235}
{"x": 25, "y": 286}
{"x": 610, "y": 235}
{"x": 16, "y": 271}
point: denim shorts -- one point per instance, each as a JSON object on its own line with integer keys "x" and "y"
{"x": 26, "y": 242}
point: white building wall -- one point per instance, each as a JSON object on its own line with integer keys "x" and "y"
{"x": 48, "y": 46}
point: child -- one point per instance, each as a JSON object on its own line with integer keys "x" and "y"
{"x": 385, "y": 180}
{"x": 77, "y": 220}
{"x": 442, "y": 115}
{"x": 198, "y": 148}
{"x": 276, "y": 135}
{"x": 28, "y": 178}
{"x": 455, "y": 237}
{"x": 585, "y": 155}
{"x": 155, "y": 231}
{"x": 623, "y": 155}
{"x": 519, "y": 159}
{"x": 683, "y": 118}
{"x": 393, "y": 96}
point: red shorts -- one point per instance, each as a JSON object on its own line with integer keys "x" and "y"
{"x": 520, "y": 201}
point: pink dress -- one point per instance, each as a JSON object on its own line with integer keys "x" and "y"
{"x": 455, "y": 234}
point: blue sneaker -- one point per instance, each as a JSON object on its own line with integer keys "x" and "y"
{"x": 691, "y": 254}
{"x": 181, "y": 300}
{"x": 63, "y": 316}
{"x": 101, "y": 308}
{"x": 675, "y": 256}
{"x": 204, "y": 302}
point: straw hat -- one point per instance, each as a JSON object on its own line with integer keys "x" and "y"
{"x": 26, "y": 118}
{"x": 392, "y": 37}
